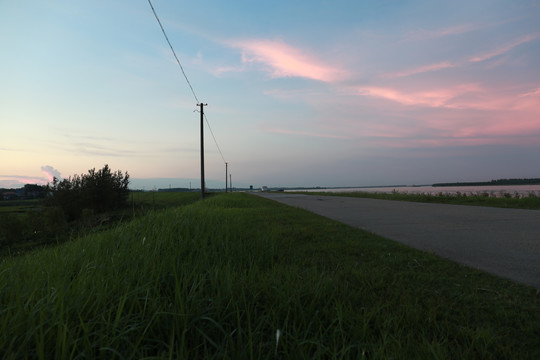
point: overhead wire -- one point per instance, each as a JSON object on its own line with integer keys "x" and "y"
{"x": 211, "y": 132}
{"x": 185, "y": 76}
{"x": 172, "y": 49}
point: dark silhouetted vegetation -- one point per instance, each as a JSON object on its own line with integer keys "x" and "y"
{"x": 28, "y": 224}
{"x": 98, "y": 191}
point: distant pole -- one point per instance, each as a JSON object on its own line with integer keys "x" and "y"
{"x": 226, "y": 172}
{"x": 202, "y": 148}
{"x": 230, "y": 178}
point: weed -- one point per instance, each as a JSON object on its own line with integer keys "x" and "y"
{"x": 237, "y": 276}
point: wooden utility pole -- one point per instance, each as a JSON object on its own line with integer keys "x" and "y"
{"x": 202, "y": 148}
{"x": 226, "y": 172}
{"x": 230, "y": 178}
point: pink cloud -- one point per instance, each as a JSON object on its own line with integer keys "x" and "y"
{"x": 51, "y": 172}
{"x": 15, "y": 181}
{"x": 283, "y": 60}
{"x": 500, "y": 100}
{"x": 504, "y": 48}
{"x": 421, "y": 69}
{"x": 465, "y": 96}
{"x": 437, "y": 142}
{"x": 534, "y": 92}
{"x": 455, "y": 116}
{"x": 456, "y": 30}
{"x": 428, "y": 97}
{"x": 446, "y": 128}
{"x": 438, "y": 33}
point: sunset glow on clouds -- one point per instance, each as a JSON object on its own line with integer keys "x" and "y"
{"x": 504, "y": 48}
{"x": 449, "y": 91}
{"x": 429, "y": 97}
{"x": 282, "y": 60}
{"x": 422, "y": 69}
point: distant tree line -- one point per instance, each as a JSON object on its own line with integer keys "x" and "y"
{"x": 535, "y": 181}
{"x": 29, "y": 191}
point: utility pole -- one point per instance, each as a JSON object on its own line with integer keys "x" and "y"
{"x": 230, "y": 178}
{"x": 202, "y": 148}
{"x": 226, "y": 172}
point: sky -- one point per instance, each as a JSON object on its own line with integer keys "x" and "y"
{"x": 299, "y": 93}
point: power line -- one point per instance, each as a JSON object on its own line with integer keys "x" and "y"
{"x": 185, "y": 76}
{"x": 174, "y": 53}
{"x": 211, "y": 132}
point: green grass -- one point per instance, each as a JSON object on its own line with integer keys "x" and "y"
{"x": 218, "y": 278}
{"x": 161, "y": 200}
{"x": 144, "y": 200}
{"x": 33, "y": 219}
{"x": 530, "y": 202}
{"x": 19, "y": 206}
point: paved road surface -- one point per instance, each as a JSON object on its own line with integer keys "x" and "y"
{"x": 505, "y": 242}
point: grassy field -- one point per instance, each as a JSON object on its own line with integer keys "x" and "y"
{"x": 241, "y": 277}
{"x": 161, "y": 200}
{"x": 530, "y": 202}
{"x": 29, "y": 224}
{"x": 138, "y": 200}
{"x": 19, "y": 206}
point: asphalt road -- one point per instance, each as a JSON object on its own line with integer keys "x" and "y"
{"x": 505, "y": 242}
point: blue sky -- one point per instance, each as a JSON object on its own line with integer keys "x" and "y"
{"x": 299, "y": 93}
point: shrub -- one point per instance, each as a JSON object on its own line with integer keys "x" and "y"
{"x": 98, "y": 191}
{"x": 11, "y": 229}
{"x": 55, "y": 221}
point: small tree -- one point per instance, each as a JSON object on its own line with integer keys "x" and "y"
{"x": 11, "y": 229}
{"x": 99, "y": 191}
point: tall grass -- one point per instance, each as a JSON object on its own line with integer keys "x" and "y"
{"x": 219, "y": 278}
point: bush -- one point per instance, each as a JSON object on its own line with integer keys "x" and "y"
{"x": 11, "y": 229}
{"x": 55, "y": 221}
{"x": 98, "y": 191}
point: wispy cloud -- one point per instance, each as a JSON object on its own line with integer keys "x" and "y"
{"x": 92, "y": 149}
{"x": 227, "y": 69}
{"x": 454, "y": 141}
{"x": 464, "y": 97}
{"x": 304, "y": 133}
{"x": 474, "y": 59}
{"x": 534, "y": 92}
{"x": 424, "y": 34}
{"x": 421, "y": 69}
{"x": 504, "y": 48}
{"x": 429, "y": 97}
{"x": 283, "y": 60}
{"x": 463, "y": 115}
{"x": 16, "y": 181}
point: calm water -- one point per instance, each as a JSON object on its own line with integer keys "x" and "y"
{"x": 521, "y": 190}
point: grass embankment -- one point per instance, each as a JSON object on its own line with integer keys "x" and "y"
{"x": 217, "y": 279}
{"x": 153, "y": 200}
{"x": 531, "y": 202}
